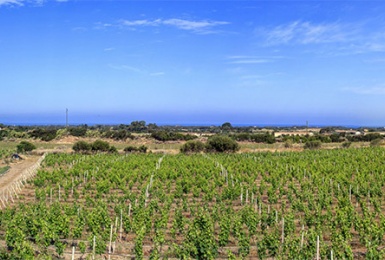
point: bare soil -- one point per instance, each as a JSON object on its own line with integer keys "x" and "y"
{"x": 17, "y": 168}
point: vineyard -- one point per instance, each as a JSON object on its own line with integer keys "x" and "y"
{"x": 325, "y": 204}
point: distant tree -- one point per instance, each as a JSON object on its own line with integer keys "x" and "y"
{"x": 192, "y": 147}
{"x": 226, "y": 126}
{"x": 81, "y": 146}
{"x": 142, "y": 149}
{"x": 100, "y": 145}
{"x": 25, "y": 146}
{"x": 376, "y": 142}
{"x": 118, "y": 134}
{"x": 43, "y": 134}
{"x": 112, "y": 149}
{"x": 171, "y": 136}
{"x": 316, "y": 144}
{"x": 78, "y": 131}
{"x": 346, "y": 144}
{"x": 326, "y": 130}
{"x": 220, "y": 143}
{"x": 133, "y": 149}
{"x": 138, "y": 126}
{"x": 152, "y": 126}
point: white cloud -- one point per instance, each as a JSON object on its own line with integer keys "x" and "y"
{"x": 242, "y": 59}
{"x": 125, "y": 68}
{"x": 22, "y": 2}
{"x": 308, "y": 33}
{"x": 11, "y": 2}
{"x": 202, "y": 26}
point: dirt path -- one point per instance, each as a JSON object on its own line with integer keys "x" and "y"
{"x": 16, "y": 171}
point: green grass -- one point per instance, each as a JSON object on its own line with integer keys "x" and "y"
{"x": 4, "y": 169}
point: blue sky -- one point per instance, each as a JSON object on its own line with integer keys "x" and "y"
{"x": 192, "y": 62}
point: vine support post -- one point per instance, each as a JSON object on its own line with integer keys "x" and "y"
{"x": 93, "y": 248}
{"x": 302, "y": 236}
{"x": 121, "y": 223}
{"x": 283, "y": 231}
{"x": 317, "y": 256}
{"x": 73, "y": 253}
{"x": 350, "y": 193}
{"x": 110, "y": 245}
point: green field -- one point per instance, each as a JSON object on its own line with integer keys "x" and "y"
{"x": 4, "y": 169}
{"x": 252, "y": 205}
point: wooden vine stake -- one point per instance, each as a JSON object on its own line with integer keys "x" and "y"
{"x": 110, "y": 246}
{"x": 121, "y": 223}
{"x": 93, "y": 248}
{"x": 73, "y": 253}
{"x": 283, "y": 231}
{"x": 317, "y": 256}
{"x": 302, "y": 235}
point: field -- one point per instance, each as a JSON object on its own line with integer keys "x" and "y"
{"x": 253, "y": 205}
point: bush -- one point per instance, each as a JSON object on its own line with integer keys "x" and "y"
{"x": 346, "y": 144}
{"x": 100, "y": 145}
{"x": 376, "y": 142}
{"x": 221, "y": 144}
{"x": 171, "y": 136}
{"x": 133, "y": 149}
{"x": 25, "y": 146}
{"x": 43, "y": 134}
{"x": 113, "y": 149}
{"x": 142, "y": 149}
{"x": 118, "y": 135}
{"x": 81, "y": 146}
{"x": 289, "y": 144}
{"x": 313, "y": 144}
{"x": 192, "y": 147}
{"x": 78, "y": 131}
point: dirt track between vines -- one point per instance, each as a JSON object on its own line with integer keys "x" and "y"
{"x": 16, "y": 170}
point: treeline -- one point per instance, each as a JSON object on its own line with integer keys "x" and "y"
{"x": 216, "y": 143}
{"x": 103, "y": 146}
{"x": 171, "y": 136}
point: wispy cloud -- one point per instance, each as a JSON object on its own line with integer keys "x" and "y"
{"x": 11, "y": 2}
{"x": 23, "y": 2}
{"x": 242, "y": 59}
{"x": 299, "y": 32}
{"x": 136, "y": 70}
{"x": 125, "y": 68}
{"x": 156, "y": 74}
{"x": 202, "y": 26}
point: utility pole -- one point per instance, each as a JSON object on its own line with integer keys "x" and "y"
{"x": 66, "y": 117}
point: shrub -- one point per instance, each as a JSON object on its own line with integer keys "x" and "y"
{"x": 289, "y": 144}
{"x": 192, "y": 147}
{"x": 346, "y": 144}
{"x": 43, "y": 134}
{"x": 78, "y": 131}
{"x": 171, "y": 136}
{"x": 118, "y": 134}
{"x": 142, "y": 149}
{"x": 113, "y": 149}
{"x": 25, "y": 146}
{"x": 220, "y": 143}
{"x": 313, "y": 144}
{"x": 133, "y": 149}
{"x": 376, "y": 142}
{"x": 81, "y": 146}
{"x": 100, "y": 145}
